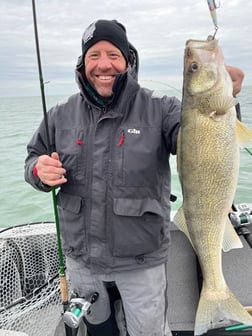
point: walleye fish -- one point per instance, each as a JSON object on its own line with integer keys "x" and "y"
{"x": 208, "y": 167}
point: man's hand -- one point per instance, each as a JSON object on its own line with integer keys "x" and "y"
{"x": 237, "y": 76}
{"x": 50, "y": 171}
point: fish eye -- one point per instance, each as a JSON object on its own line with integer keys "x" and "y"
{"x": 193, "y": 67}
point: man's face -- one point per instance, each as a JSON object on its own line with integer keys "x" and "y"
{"x": 102, "y": 62}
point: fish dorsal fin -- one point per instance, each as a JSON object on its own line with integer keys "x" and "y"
{"x": 231, "y": 239}
{"x": 219, "y": 104}
{"x": 244, "y": 134}
{"x": 180, "y": 222}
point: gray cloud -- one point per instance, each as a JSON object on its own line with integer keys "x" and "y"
{"x": 158, "y": 29}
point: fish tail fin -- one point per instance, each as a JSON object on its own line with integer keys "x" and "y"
{"x": 216, "y": 307}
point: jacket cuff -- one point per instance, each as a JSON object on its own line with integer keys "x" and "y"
{"x": 35, "y": 171}
{"x": 35, "y": 180}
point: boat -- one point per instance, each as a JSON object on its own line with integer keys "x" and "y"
{"x": 30, "y": 302}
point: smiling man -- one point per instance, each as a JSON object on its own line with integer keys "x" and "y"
{"x": 105, "y": 55}
{"x": 102, "y": 62}
{"x": 111, "y": 144}
{"x": 106, "y": 51}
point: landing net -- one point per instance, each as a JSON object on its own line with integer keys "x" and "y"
{"x": 29, "y": 284}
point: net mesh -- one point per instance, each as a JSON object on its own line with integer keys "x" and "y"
{"x": 29, "y": 284}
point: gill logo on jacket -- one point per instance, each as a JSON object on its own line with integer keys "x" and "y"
{"x": 133, "y": 131}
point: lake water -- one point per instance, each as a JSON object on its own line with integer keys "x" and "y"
{"x": 21, "y": 204}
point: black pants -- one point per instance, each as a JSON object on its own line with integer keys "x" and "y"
{"x": 109, "y": 327}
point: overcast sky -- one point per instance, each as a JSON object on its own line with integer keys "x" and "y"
{"x": 157, "y": 28}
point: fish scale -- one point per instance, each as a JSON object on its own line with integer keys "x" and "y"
{"x": 208, "y": 166}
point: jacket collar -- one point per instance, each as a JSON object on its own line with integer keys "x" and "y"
{"x": 91, "y": 95}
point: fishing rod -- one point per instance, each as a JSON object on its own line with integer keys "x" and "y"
{"x": 248, "y": 150}
{"x": 62, "y": 276}
{"x": 76, "y": 308}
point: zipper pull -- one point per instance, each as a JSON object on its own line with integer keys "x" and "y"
{"x": 79, "y": 142}
{"x": 121, "y": 139}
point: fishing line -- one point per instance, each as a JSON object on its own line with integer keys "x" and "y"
{"x": 62, "y": 276}
{"x": 212, "y": 8}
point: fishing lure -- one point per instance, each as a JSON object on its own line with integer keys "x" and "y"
{"x": 212, "y": 8}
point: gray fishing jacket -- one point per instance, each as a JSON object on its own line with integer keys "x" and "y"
{"x": 114, "y": 211}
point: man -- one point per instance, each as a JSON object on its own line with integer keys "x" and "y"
{"x": 237, "y": 76}
{"x": 110, "y": 148}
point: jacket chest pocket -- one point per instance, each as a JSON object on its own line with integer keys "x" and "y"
{"x": 72, "y": 149}
{"x": 137, "y": 156}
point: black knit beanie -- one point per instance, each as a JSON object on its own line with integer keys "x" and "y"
{"x": 109, "y": 30}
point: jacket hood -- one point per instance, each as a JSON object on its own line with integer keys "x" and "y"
{"x": 133, "y": 62}
{"x": 90, "y": 93}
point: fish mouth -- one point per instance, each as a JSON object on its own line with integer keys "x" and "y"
{"x": 203, "y": 51}
{"x": 208, "y": 44}
{"x": 202, "y": 63}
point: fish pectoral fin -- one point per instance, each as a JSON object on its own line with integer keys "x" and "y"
{"x": 244, "y": 134}
{"x": 231, "y": 240}
{"x": 180, "y": 221}
{"x": 219, "y": 104}
{"x": 216, "y": 116}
